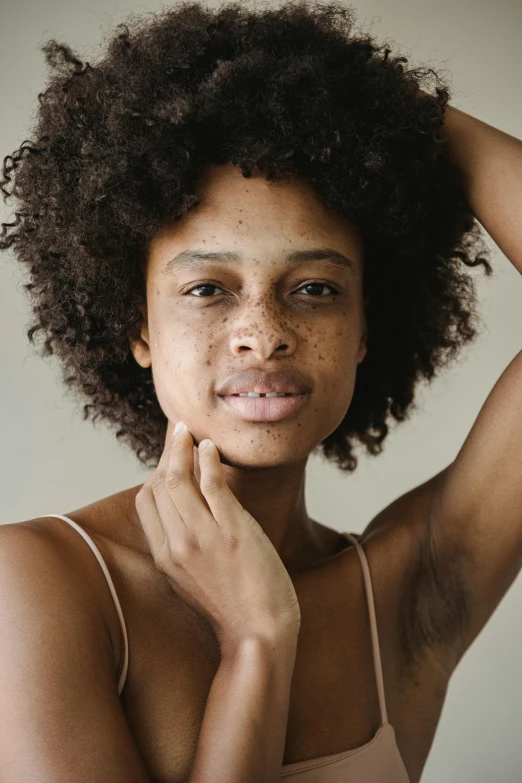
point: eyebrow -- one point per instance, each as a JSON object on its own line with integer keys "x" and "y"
{"x": 188, "y": 258}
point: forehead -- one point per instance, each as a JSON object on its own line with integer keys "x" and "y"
{"x": 239, "y": 213}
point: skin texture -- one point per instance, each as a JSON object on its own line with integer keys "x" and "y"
{"x": 194, "y": 338}
{"x": 441, "y": 556}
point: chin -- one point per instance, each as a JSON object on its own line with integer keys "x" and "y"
{"x": 252, "y": 459}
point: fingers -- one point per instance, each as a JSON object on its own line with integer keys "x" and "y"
{"x": 222, "y": 502}
{"x": 174, "y": 526}
{"x": 148, "y": 512}
{"x": 175, "y": 505}
{"x": 211, "y": 479}
{"x": 182, "y": 487}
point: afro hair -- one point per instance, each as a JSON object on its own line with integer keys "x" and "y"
{"x": 116, "y": 152}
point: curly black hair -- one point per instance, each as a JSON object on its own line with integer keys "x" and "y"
{"x": 117, "y": 150}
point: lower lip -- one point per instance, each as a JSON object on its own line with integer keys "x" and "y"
{"x": 265, "y": 408}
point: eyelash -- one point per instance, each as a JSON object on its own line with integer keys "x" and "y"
{"x": 305, "y": 285}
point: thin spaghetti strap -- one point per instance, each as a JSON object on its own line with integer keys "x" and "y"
{"x": 108, "y": 577}
{"x": 373, "y": 624}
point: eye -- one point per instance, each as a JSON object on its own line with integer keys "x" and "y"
{"x": 203, "y": 286}
{"x": 207, "y": 290}
{"x": 317, "y": 285}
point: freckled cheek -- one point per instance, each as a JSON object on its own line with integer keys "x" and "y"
{"x": 334, "y": 356}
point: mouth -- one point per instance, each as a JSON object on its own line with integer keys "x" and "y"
{"x": 269, "y": 406}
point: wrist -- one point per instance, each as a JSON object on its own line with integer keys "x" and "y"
{"x": 278, "y": 647}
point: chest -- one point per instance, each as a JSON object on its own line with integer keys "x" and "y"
{"x": 333, "y": 699}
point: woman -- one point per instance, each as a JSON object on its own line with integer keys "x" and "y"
{"x": 233, "y": 203}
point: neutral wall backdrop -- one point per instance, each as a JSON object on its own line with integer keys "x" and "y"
{"x": 54, "y": 462}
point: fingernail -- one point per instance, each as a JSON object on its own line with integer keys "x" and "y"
{"x": 180, "y": 426}
{"x": 205, "y": 443}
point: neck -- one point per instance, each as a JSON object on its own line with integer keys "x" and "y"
{"x": 276, "y": 499}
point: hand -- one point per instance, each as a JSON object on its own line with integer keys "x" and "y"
{"x": 214, "y": 554}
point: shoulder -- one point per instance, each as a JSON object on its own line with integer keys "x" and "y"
{"x": 60, "y": 707}
{"x": 47, "y": 569}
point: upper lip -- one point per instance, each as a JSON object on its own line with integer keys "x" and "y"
{"x": 253, "y": 380}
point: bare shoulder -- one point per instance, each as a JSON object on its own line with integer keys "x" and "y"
{"x": 34, "y": 547}
{"x": 45, "y": 558}
{"x": 47, "y": 592}
{"x": 57, "y": 663}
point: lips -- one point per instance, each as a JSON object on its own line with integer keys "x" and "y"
{"x": 261, "y": 394}
{"x": 253, "y": 380}
{"x": 264, "y": 408}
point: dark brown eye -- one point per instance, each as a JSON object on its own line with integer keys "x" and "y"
{"x": 204, "y": 286}
{"x": 315, "y": 286}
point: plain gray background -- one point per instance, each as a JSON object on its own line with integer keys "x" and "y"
{"x": 53, "y": 462}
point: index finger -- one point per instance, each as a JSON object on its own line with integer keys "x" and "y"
{"x": 222, "y": 502}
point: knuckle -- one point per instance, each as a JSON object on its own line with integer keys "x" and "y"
{"x": 164, "y": 561}
{"x": 190, "y": 544}
{"x": 156, "y": 482}
{"x": 211, "y": 484}
{"x": 174, "y": 479}
{"x": 181, "y": 548}
{"x": 231, "y": 542}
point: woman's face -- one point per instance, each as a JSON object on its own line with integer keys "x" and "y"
{"x": 257, "y": 321}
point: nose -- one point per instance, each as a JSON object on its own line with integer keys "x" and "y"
{"x": 265, "y": 330}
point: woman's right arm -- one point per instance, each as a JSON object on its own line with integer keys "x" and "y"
{"x": 61, "y": 718}
{"x": 60, "y": 715}
{"x": 243, "y": 732}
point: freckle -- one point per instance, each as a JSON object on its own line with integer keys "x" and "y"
{"x": 240, "y": 221}
{"x": 208, "y": 362}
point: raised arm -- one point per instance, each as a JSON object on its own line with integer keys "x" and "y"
{"x": 475, "y": 523}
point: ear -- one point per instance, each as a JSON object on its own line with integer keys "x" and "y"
{"x": 363, "y": 343}
{"x": 140, "y": 340}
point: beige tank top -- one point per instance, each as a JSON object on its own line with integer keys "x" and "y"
{"x": 377, "y": 761}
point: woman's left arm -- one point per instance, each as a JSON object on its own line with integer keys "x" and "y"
{"x": 475, "y": 524}
{"x": 491, "y": 161}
